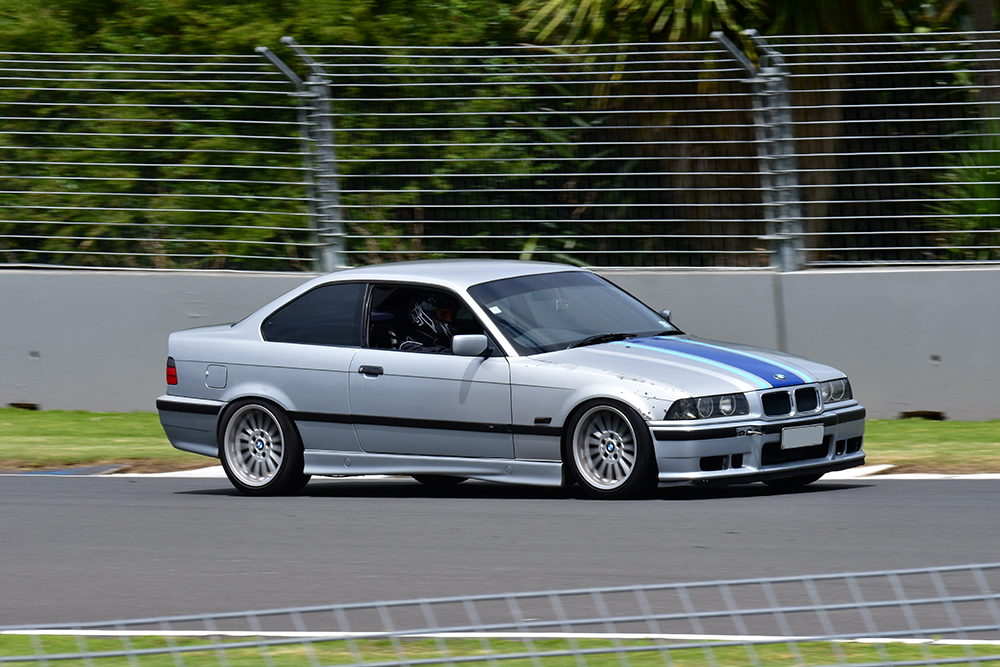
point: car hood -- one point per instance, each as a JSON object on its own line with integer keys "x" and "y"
{"x": 695, "y": 366}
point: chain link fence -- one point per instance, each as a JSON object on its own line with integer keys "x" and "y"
{"x": 897, "y": 147}
{"x": 936, "y": 616}
{"x": 158, "y": 162}
{"x": 813, "y": 151}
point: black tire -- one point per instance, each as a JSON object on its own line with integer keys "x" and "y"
{"x": 439, "y": 480}
{"x": 260, "y": 450}
{"x": 609, "y": 451}
{"x": 796, "y": 482}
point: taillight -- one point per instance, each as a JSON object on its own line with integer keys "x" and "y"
{"x": 171, "y": 371}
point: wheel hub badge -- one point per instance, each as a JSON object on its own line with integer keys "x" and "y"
{"x": 611, "y": 445}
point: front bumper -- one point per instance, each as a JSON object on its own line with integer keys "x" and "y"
{"x": 750, "y": 450}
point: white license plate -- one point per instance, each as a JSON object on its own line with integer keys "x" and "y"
{"x": 801, "y": 436}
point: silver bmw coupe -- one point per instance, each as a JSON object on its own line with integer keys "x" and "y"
{"x": 502, "y": 371}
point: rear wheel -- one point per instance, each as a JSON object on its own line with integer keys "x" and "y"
{"x": 610, "y": 452}
{"x": 792, "y": 482}
{"x": 260, "y": 450}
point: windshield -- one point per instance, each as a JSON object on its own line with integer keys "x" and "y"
{"x": 555, "y": 311}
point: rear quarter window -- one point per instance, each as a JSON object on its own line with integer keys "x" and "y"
{"x": 327, "y": 315}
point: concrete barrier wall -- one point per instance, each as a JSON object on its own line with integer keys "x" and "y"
{"x": 910, "y": 339}
{"x": 97, "y": 340}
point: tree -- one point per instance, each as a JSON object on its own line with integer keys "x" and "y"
{"x": 606, "y": 21}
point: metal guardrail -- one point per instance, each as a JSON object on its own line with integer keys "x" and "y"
{"x": 933, "y": 616}
{"x": 821, "y": 151}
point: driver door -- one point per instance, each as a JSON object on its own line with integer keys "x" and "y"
{"x": 427, "y": 404}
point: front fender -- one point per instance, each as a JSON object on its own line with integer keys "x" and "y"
{"x": 547, "y": 392}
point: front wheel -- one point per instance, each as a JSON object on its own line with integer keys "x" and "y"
{"x": 610, "y": 451}
{"x": 260, "y": 450}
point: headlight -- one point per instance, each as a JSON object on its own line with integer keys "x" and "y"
{"x": 707, "y": 407}
{"x": 835, "y": 390}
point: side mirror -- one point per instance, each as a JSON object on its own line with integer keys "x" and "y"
{"x": 665, "y": 314}
{"x": 470, "y": 345}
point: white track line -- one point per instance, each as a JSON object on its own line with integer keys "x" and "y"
{"x": 623, "y": 636}
{"x": 216, "y": 472}
{"x": 863, "y": 472}
{"x": 854, "y": 473}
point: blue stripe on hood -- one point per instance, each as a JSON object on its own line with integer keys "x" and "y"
{"x": 754, "y": 381}
{"x": 772, "y": 374}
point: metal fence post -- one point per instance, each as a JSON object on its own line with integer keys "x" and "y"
{"x": 776, "y": 131}
{"x": 775, "y": 150}
{"x": 304, "y": 105}
{"x": 321, "y": 159}
{"x": 331, "y": 215}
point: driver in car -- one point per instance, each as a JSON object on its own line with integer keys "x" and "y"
{"x": 433, "y": 316}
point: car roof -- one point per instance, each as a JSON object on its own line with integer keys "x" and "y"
{"x": 459, "y": 274}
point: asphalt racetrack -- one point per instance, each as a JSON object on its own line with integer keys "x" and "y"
{"x": 78, "y": 549}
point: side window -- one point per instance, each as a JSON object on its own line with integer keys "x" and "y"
{"x": 327, "y": 315}
{"x": 413, "y": 319}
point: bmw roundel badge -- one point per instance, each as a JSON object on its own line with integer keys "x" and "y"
{"x": 779, "y": 376}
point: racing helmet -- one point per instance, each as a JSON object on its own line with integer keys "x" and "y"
{"x": 434, "y": 314}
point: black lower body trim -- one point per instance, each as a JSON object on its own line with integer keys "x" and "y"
{"x": 322, "y": 417}
{"x": 182, "y": 406}
{"x": 819, "y": 469}
{"x": 435, "y": 424}
{"x": 702, "y": 434}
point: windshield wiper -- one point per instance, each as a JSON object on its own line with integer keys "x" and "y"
{"x": 670, "y": 332}
{"x": 602, "y": 338}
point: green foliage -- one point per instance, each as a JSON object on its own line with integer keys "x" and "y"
{"x": 90, "y": 191}
{"x": 601, "y": 21}
{"x": 86, "y": 180}
{"x": 109, "y": 163}
{"x": 530, "y": 167}
{"x": 232, "y": 27}
{"x": 966, "y": 210}
{"x": 27, "y": 26}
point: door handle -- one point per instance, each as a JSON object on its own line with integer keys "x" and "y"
{"x": 371, "y": 370}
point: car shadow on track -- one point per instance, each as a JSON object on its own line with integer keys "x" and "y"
{"x": 407, "y": 488}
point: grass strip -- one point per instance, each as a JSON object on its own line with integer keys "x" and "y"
{"x": 51, "y": 440}
{"x": 56, "y": 439}
{"x": 168, "y": 652}
{"x": 921, "y": 445}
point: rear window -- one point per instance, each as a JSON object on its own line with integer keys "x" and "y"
{"x": 327, "y": 315}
